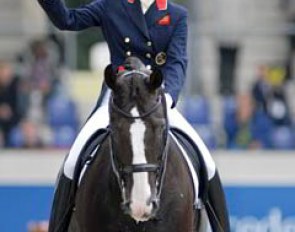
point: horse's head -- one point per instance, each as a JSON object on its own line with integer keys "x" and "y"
{"x": 139, "y": 128}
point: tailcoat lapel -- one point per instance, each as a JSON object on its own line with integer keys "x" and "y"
{"x": 153, "y": 15}
{"x": 134, "y": 11}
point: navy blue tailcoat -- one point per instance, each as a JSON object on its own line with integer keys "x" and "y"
{"x": 128, "y": 31}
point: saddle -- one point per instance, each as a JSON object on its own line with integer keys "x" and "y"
{"x": 196, "y": 159}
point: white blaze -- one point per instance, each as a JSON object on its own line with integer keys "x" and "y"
{"x": 141, "y": 191}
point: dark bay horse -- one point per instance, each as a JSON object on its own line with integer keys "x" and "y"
{"x": 139, "y": 180}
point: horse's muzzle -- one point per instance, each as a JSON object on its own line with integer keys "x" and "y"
{"x": 141, "y": 212}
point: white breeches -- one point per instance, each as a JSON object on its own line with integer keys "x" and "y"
{"x": 100, "y": 120}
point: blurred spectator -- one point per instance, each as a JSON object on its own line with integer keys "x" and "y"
{"x": 50, "y": 108}
{"x": 40, "y": 66}
{"x": 269, "y": 95}
{"x": 239, "y": 124}
{"x": 277, "y": 107}
{"x": 261, "y": 127}
{"x": 272, "y": 121}
{"x": 244, "y": 135}
{"x": 62, "y": 117}
{"x": 38, "y": 226}
{"x": 61, "y": 110}
{"x": 261, "y": 88}
{"x": 26, "y": 135}
{"x": 43, "y": 71}
{"x": 10, "y": 99}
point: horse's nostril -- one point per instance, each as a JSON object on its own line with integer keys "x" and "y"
{"x": 155, "y": 203}
{"x": 126, "y": 207}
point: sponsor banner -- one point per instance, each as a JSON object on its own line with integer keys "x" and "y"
{"x": 261, "y": 209}
{"x": 252, "y": 209}
{"x": 22, "y": 205}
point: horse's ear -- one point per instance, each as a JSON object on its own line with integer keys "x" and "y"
{"x": 110, "y": 77}
{"x": 156, "y": 79}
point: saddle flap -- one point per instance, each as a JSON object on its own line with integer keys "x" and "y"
{"x": 87, "y": 154}
{"x": 197, "y": 161}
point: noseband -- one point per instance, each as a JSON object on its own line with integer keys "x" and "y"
{"x": 160, "y": 168}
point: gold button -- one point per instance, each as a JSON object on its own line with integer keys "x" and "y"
{"x": 128, "y": 53}
{"x": 149, "y": 43}
{"x": 149, "y": 67}
{"x": 161, "y": 58}
{"x": 148, "y": 55}
{"x": 127, "y": 40}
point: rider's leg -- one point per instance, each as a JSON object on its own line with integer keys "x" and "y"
{"x": 178, "y": 121}
{"x": 215, "y": 194}
{"x": 217, "y": 206}
{"x": 62, "y": 205}
{"x": 64, "y": 196}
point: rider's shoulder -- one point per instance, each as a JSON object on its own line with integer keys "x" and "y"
{"x": 108, "y": 3}
{"x": 111, "y": 2}
{"x": 178, "y": 9}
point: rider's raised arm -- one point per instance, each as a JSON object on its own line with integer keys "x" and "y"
{"x": 74, "y": 19}
{"x": 175, "y": 69}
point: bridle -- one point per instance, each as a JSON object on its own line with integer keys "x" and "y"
{"x": 158, "y": 168}
{"x": 128, "y": 115}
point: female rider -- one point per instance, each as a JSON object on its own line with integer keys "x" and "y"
{"x": 155, "y": 31}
